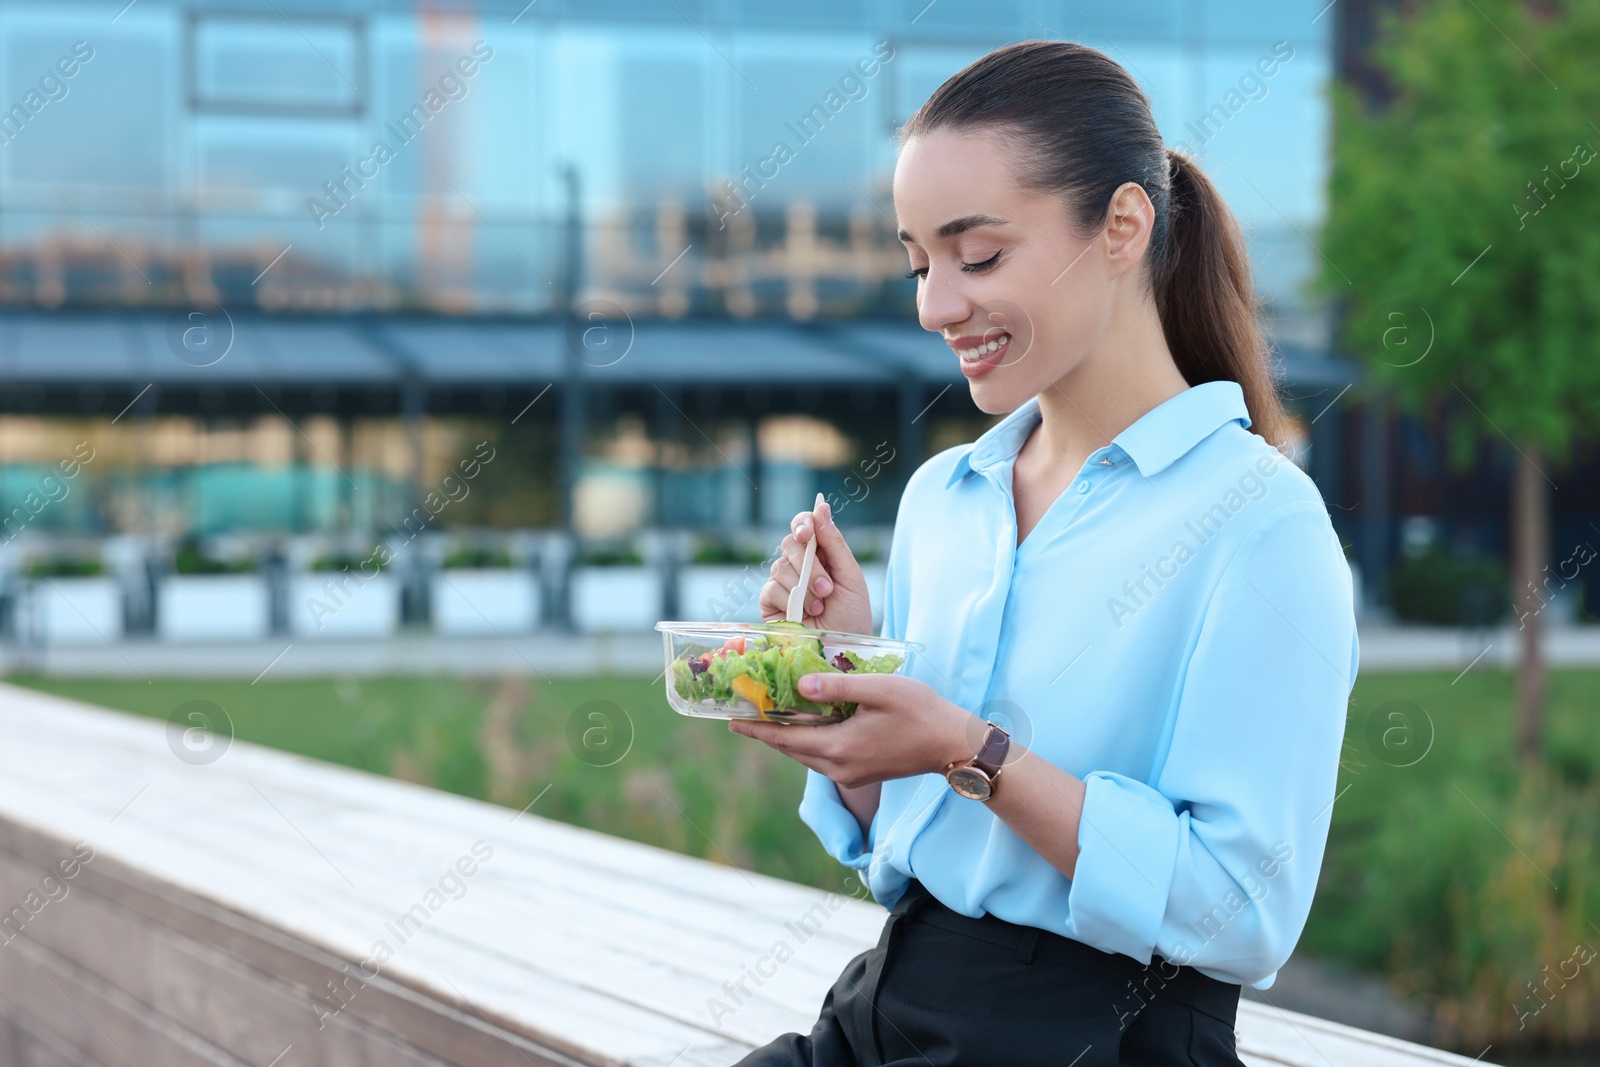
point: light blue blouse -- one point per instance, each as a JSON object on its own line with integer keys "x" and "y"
{"x": 1178, "y": 631}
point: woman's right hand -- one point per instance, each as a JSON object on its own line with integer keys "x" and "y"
{"x": 838, "y": 598}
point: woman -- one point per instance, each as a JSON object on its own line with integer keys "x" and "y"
{"x": 1097, "y": 804}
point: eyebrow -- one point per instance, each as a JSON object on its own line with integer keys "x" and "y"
{"x": 961, "y": 225}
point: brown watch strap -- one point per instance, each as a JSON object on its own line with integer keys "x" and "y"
{"x": 992, "y": 756}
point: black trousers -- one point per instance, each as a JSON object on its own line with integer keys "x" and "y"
{"x": 947, "y": 990}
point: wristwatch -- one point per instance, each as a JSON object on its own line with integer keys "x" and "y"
{"x": 975, "y": 778}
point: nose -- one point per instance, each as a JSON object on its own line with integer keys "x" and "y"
{"x": 941, "y": 303}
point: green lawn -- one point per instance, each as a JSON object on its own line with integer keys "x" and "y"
{"x": 1446, "y": 868}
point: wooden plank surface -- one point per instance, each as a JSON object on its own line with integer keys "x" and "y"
{"x": 264, "y": 877}
{"x": 28, "y": 1044}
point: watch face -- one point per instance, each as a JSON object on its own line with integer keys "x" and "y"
{"x": 970, "y": 783}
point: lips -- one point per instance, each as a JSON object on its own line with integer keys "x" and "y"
{"x": 983, "y": 357}
{"x": 971, "y": 348}
{"x": 976, "y": 352}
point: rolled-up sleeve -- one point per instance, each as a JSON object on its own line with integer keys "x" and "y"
{"x": 1215, "y": 862}
{"x": 820, "y": 807}
{"x": 833, "y": 823}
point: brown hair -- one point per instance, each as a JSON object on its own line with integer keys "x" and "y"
{"x": 1081, "y": 127}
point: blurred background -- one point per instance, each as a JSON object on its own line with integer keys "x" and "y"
{"x": 365, "y": 255}
{"x": 377, "y": 374}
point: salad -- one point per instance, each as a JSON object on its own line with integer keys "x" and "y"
{"x": 765, "y": 671}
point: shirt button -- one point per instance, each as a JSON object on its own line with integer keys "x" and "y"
{"x": 1083, "y": 487}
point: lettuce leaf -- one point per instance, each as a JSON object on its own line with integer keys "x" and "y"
{"x": 886, "y": 663}
{"x": 779, "y": 665}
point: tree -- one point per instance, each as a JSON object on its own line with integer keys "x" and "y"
{"x": 1464, "y": 238}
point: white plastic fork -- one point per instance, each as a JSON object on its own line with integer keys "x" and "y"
{"x": 797, "y": 595}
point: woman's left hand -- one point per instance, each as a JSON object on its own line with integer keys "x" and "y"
{"x": 901, "y": 727}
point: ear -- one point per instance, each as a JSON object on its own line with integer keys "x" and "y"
{"x": 1130, "y": 217}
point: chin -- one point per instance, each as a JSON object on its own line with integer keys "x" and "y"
{"x": 995, "y": 398}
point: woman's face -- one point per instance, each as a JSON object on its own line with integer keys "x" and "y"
{"x": 998, "y": 265}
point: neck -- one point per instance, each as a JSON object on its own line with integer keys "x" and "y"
{"x": 1129, "y": 372}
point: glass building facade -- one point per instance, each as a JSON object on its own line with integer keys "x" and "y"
{"x": 428, "y": 156}
{"x": 702, "y": 160}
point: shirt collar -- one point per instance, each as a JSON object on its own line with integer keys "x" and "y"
{"x": 1154, "y": 441}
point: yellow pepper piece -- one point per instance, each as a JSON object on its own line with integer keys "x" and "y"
{"x": 753, "y": 691}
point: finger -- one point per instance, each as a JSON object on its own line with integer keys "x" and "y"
{"x": 786, "y": 577}
{"x": 859, "y": 688}
{"x": 802, "y": 524}
{"x": 784, "y": 574}
{"x": 795, "y": 553}
{"x": 774, "y": 602}
{"x": 775, "y": 734}
{"x": 830, "y": 541}
{"x": 807, "y": 744}
{"x": 775, "y": 595}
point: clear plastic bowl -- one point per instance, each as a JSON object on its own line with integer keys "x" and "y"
{"x": 746, "y": 694}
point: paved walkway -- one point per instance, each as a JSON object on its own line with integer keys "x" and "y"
{"x": 1383, "y": 648}
{"x": 1386, "y": 647}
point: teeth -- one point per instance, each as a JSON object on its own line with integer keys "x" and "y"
{"x": 974, "y": 354}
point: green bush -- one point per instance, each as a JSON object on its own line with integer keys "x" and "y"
{"x": 348, "y": 563}
{"x": 65, "y": 568}
{"x": 611, "y": 557}
{"x": 1476, "y": 916}
{"x": 477, "y": 559}
{"x": 1448, "y": 590}
{"x": 1460, "y": 874}
{"x": 714, "y": 552}
{"x": 189, "y": 559}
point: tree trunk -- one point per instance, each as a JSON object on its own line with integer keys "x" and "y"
{"x": 1530, "y": 546}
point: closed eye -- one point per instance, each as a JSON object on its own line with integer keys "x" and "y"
{"x": 978, "y": 268}
{"x": 971, "y": 268}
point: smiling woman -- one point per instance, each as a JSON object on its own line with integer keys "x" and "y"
{"x": 1058, "y": 801}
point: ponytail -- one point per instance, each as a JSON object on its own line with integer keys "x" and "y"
{"x": 1081, "y": 127}
{"x": 1204, "y": 297}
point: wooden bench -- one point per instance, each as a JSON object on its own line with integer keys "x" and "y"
{"x": 273, "y": 911}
